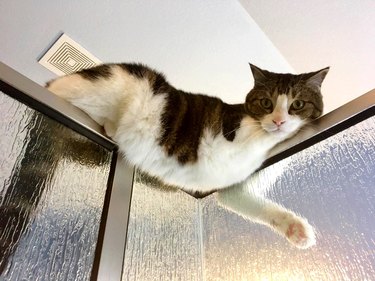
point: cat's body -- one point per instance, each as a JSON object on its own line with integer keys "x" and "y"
{"x": 196, "y": 142}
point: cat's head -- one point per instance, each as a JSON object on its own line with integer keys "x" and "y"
{"x": 282, "y": 103}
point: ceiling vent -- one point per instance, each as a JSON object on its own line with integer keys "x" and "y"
{"x": 67, "y": 56}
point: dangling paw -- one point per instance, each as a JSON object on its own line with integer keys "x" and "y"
{"x": 301, "y": 234}
{"x": 295, "y": 229}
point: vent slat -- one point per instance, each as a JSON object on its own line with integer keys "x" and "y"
{"x": 67, "y": 56}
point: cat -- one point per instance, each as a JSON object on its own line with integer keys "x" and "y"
{"x": 198, "y": 142}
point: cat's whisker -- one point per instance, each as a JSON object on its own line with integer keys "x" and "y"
{"x": 228, "y": 133}
{"x": 236, "y": 129}
{"x": 250, "y": 125}
{"x": 308, "y": 127}
{"x": 314, "y": 128}
{"x": 254, "y": 134}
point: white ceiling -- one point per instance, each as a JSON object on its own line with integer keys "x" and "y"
{"x": 315, "y": 34}
{"x": 201, "y": 46}
{"x": 204, "y": 46}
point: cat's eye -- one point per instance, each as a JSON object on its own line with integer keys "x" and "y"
{"x": 266, "y": 103}
{"x": 298, "y": 104}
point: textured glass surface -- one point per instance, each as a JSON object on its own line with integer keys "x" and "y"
{"x": 332, "y": 184}
{"x": 163, "y": 241}
{"x": 52, "y": 188}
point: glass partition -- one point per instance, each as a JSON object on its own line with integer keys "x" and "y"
{"x": 52, "y": 187}
{"x": 164, "y": 233}
{"x": 332, "y": 184}
{"x": 64, "y": 193}
{"x": 173, "y": 236}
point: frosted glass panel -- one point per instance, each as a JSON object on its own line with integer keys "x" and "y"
{"x": 175, "y": 237}
{"x": 52, "y": 187}
{"x": 163, "y": 241}
{"x": 332, "y": 184}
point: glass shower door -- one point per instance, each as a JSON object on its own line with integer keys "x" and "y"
{"x": 58, "y": 182}
{"x": 332, "y": 184}
{"x": 53, "y": 184}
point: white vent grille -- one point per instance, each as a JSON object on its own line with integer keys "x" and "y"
{"x": 67, "y": 56}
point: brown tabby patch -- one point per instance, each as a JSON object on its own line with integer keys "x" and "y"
{"x": 100, "y": 71}
{"x": 185, "y": 118}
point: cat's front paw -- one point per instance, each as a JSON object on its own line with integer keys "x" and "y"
{"x": 301, "y": 234}
{"x": 296, "y": 230}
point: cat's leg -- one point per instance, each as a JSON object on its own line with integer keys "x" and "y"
{"x": 99, "y": 98}
{"x": 110, "y": 128}
{"x": 82, "y": 93}
{"x": 261, "y": 210}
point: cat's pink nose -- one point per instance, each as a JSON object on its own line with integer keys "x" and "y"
{"x": 278, "y": 123}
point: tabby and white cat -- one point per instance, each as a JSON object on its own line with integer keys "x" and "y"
{"x": 197, "y": 142}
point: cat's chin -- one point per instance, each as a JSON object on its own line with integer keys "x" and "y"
{"x": 278, "y": 133}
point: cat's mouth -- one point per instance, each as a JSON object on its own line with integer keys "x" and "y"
{"x": 277, "y": 131}
{"x": 273, "y": 129}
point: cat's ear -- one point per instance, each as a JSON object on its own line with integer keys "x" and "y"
{"x": 315, "y": 79}
{"x": 259, "y": 74}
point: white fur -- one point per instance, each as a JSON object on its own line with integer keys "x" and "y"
{"x": 130, "y": 114}
{"x": 249, "y": 201}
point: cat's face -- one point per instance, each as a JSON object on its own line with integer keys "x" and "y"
{"x": 282, "y": 103}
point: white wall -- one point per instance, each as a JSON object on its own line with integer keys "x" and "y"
{"x": 202, "y": 46}
{"x": 319, "y": 33}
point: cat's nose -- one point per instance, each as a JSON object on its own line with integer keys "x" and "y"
{"x": 278, "y": 123}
